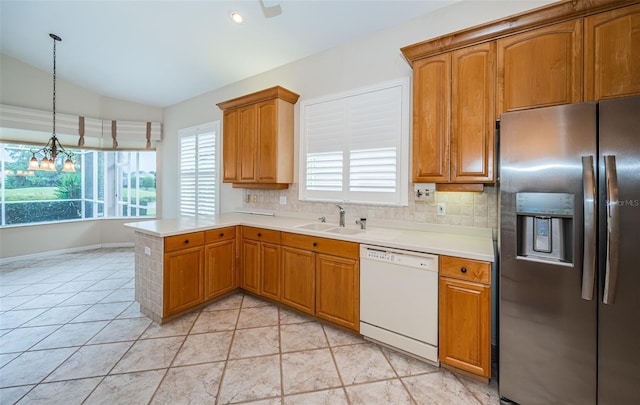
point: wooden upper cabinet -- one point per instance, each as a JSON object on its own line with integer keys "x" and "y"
{"x": 247, "y": 143}
{"x": 262, "y": 156}
{"x": 267, "y": 159}
{"x": 612, "y": 54}
{"x": 472, "y": 113}
{"x": 542, "y": 67}
{"x": 431, "y": 112}
{"x": 230, "y": 146}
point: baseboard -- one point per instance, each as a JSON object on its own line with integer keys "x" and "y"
{"x": 64, "y": 251}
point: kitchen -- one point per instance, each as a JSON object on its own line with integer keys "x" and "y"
{"x": 485, "y": 202}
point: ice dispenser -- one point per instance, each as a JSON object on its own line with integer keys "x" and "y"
{"x": 545, "y": 227}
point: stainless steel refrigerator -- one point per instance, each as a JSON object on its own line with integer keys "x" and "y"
{"x": 569, "y": 308}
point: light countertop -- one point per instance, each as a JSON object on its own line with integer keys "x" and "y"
{"x": 464, "y": 242}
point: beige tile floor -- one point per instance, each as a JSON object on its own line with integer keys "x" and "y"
{"x": 71, "y": 333}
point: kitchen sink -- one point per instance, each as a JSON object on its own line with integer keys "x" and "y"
{"x": 345, "y": 231}
{"x": 316, "y": 226}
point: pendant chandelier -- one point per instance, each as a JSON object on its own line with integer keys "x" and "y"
{"x": 53, "y": 148}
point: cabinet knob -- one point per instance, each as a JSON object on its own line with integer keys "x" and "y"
{"x": 315, "y": 244}
{"x": 259, "y": 235}
{"x": 221, "y": 234}
{"x": 186, "y": 241}
{"x": 463, "y": 270}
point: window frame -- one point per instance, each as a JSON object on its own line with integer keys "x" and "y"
{"x": 94, "y": 200}
{"x": 195, "y": 131}
{"x": 400, "y": 196}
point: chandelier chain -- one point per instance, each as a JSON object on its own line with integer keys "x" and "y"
{"x": 54, "y": 86}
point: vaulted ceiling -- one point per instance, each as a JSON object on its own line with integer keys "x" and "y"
{"x": 161, "y": 52}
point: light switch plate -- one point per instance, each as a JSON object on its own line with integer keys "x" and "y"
{"x": 283, "y": 200}
{"x": 424, "y": 192}
{"x": 442, "y": 209}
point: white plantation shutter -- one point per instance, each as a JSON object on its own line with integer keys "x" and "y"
{"x": 325, "y": 137}
{"x": 354, "y": 146}
{"x": 198, "y": 185}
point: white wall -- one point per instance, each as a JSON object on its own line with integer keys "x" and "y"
{"x": 367, "y": 61}
{"x": 25, "y": 86}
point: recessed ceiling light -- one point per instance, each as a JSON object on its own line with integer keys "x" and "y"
{"x": 236, "y": 18}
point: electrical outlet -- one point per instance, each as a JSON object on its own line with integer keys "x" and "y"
{"x": 442, "y": 209}
{"x": 255, "y": 198}
{"x": 248, "y": 198}
{"x": 283, "y": 200}
{"x": 147, "y": 251}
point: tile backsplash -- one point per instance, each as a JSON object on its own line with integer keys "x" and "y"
{"x": 465, "y": 209}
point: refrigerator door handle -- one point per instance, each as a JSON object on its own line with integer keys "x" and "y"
{"x": 613, "y": 222}
{"x": 589, "y": 234}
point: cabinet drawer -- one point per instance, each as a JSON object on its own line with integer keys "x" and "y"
{"x": 322, "y": 245}
{"x": 465, "y": 269}
{"x": 186, "y": 240}
{"x": 217, "y": 235}
{"x": 264, "y": 235}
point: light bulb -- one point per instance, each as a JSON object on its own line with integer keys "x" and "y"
{"x": 68, "y": 166}
{"x": 33, "y": 163}
{"x": 237, "y": 18}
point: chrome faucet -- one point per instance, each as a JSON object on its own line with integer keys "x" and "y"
{"x": 341, "y": 215}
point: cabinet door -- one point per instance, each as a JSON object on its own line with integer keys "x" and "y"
{"x": 182, "y": 280}
{"x": 219, "y": 268}
{"x": 267, "y": 149}
{"x": 338, "y": 290}
{"x": 247, "y": 139}
{"x": 298, "y": 279}
{"x": 612, "y": 54}
{"x": 465, "y": 326}
{"x": 472, "y": 114}
{"x": 251, "y": 260}
{"x": 230, "y": 146}
{"x": 542, "y": 67}
{"x": 270, "y": 287}
{"x": 431, "y": 114}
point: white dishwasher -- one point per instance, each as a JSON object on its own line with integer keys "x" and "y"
{"x": 399, "y": 299}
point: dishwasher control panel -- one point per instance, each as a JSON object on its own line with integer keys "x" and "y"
{"x": 399, "y": 257}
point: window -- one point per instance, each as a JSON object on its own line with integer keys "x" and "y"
{"x": 106, "y": 184}
{"x": 354, "y": 146}
{"x": 198, "y": 174}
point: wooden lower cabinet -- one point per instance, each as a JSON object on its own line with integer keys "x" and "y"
{"x": 465, "y": 315}
{"x": 250, "y": 273}
{"x": 260, "y": 273}
{"x": 321, "y": 276}
{"x": 270, "y": 283}
{"x": 298, "y": 279}
{"x": 219, "y": 268}
{"x": 317, "y": 276}
{"x": 183, "y": 279}
{"x": 338, "y": 290}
